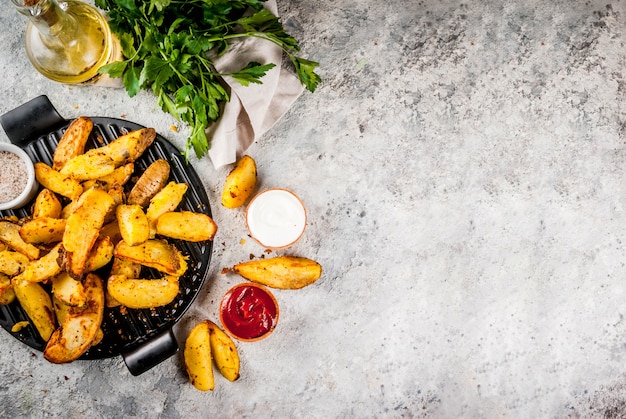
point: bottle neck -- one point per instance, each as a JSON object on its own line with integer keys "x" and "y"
{"x": 52, "y": 21}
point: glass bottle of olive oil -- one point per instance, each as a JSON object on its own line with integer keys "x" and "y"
{"x": 69, "y": 41}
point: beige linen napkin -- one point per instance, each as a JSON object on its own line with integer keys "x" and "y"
{"x": 253, "y": 109}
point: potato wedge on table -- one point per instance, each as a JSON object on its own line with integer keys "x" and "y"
{"x": 186, "y": 225}
{"x": 83, "y": 227}
{"x": 56, "y": 182}
{"x": 156, "y": 254}
{"x": 143, "y": 293}
{"x": 73, "y": 141}
{"x": 166, "y": 200}
{"x": 133, "y": 223}
{"x": 37, "y": 304}
{"x": 153, "y": 179}
{"x": 224, "y": 352}
{"x": 47, "y": 204}
{"x": 10, "y": 235}
{"x": 80, "y": 328}
{"x": 43, "y": 230}
{"x": 198, "y": 360}
{"x": 283, "y": 272}
{"x": 239, "y": 183}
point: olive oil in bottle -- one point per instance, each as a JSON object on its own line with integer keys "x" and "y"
{"x": 69, "y": 41}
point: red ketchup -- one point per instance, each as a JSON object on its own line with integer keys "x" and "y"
{"x": 249, "y": 312}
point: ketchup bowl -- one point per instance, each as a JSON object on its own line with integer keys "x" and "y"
{"x": 249, "y": 312}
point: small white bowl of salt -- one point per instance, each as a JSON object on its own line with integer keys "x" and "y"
{"x": 18, "y": 185}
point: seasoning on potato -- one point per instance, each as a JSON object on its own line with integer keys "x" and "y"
{"x": 198, "y": 360}
{"x": 283, "y": 272}
{"x": 240, "y": 183}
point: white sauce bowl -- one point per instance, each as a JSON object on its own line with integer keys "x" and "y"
{"x": 276, "y": 218}
{"x": 31, "y": 183}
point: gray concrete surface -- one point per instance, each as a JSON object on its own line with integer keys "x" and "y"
{"x": 463, "y": 166}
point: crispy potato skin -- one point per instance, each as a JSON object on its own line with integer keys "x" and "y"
{"x": 224, "y": 352}
{"x": 10, "y": 235}
{"x": 133, "y": 224}
{"x": 7, "y": 295}
{"x": 88, "y": 166}
{"x": 143, "y": 293}
{"x": 129, "y": 147}
{"x": 68, "y": 291}
{"x": 166, "y": 200}
{"x": 80, "y": 327}
{"x": 240, "y": 183}
{"x": 83, "y": 227}
{"x": 186, "y": 225}
{"x": 47, "y": 205}
{"x": 37, "y": 304}
{"x": 43, "y": 268}
{"x": 157, "y": 254}
{"x": 56, "y": 182}
{"x": 73, "y": 141}
{"x": 283, "y": 272}
{"x": 149, "y": 183}
{"x": 12, "y": 263}
{"x": 198, "y": 361}
{"x": 43, "y": 230}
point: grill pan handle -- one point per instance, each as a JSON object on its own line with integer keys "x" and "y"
{"x": 31, "y": 120}
{"x": 151, "y": 353}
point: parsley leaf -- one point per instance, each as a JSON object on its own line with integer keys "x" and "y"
{"x": 166, "y": 46}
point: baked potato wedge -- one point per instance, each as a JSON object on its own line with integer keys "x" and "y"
{"x": 133, "y": 224}
{"x": 12, "y": 262}
{"x": 153, "y": 179}
{"x": 224, "y": 352}
{"x": 101, "y": 253}
{"x": 239, "y": 183}
{"x": 143, "y": 293}
{"x": 121, "y": 267}
{"x": 166, "y": 200}
{"x": 73, "y": 141}
{"x": 7, "y": 295}
{"x": 10, "y": 235}
{"x": 198, "y": 360}
{"x": 80, "y": 328}
{"x": 56, "y": 182}
{"x": 186, "y": 225}
{"x": 128, "y": 147}
{"x": 156, "y": 254}
{"x": 44, "y": 268}
{"x": 112, "y": 231}
{"x": 283, "y": 272}
{"x": 44, "y": 230}
{"x": 37, "y": 304}
{"x": 119, "y": 177}
{"x": 47, "y": 204}
{"x": 68, "y": 291}
{"x": 88, "y": 166}
{"x": 83, "y": 227}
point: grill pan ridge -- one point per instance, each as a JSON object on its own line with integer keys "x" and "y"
{"x": 126, "y": 331}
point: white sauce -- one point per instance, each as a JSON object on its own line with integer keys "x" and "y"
{"x": 276, "y": 218}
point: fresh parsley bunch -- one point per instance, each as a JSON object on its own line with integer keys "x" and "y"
{"x": 167, "y": 44}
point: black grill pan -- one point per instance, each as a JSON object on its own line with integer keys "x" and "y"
{"x": 143, "y": 338}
